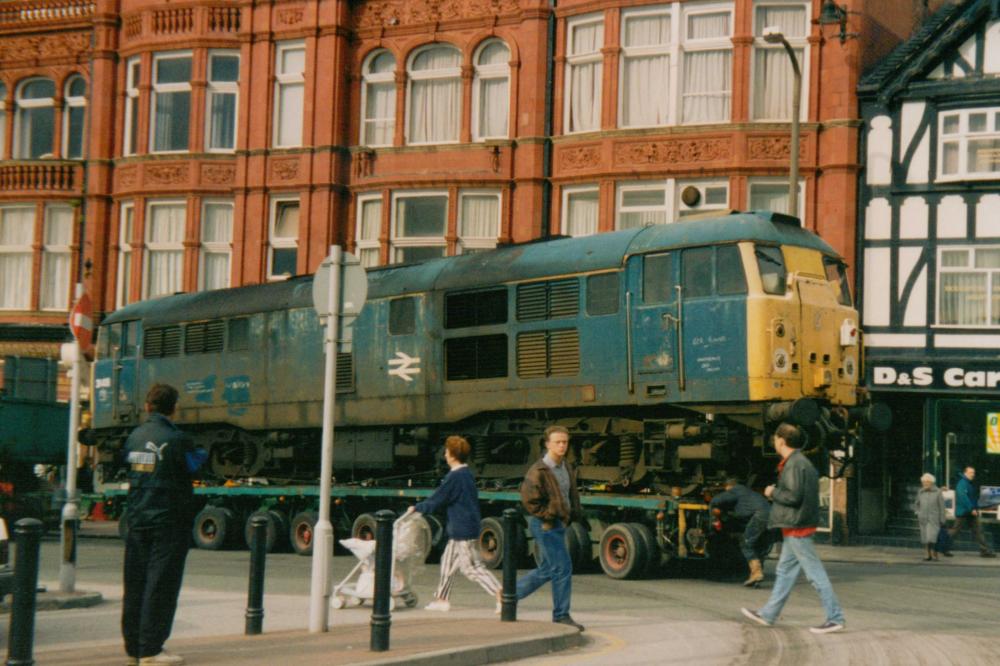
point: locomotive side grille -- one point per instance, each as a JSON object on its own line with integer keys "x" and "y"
{"x": 477, "y": 308}
{"x": 194, "y": 338}
{"x": 345, "y": 372}
{"x": 171, "y": 341}
{"x": 214, "y": 336}
{"x": 548, "y": 354}
{"x": 531, "y": 301}
{"x": 476, "y": 357}
{"x": 548, "y": 300}
{"x": 152, "y": 343}
{"x": 564, "y": 298}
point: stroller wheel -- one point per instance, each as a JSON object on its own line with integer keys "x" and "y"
{"x": 410, "y": 600}
{"x": 337, "y": 603}
{"x": 355, "y": 601}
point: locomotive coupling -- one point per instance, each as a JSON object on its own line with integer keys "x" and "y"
{"x": 803, "y": 412}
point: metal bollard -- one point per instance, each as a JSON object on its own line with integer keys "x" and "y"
{"x": 381, "y": 617}
{"x": 508, "y": 608}
{"x": 255, "y": 595}
{"x": 21, "y": 633}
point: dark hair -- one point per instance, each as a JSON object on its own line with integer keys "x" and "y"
{"x": 791, "y": 434}
{"x": 551, "y": 430}
{"x": 458, "y": 447}
{"x": 162, "y": 398}
{"x": 733, "y": 481}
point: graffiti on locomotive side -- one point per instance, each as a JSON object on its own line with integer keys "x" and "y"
{"x": 203, "y": 390}
{"x": 236, "y": 391}
{"x": 713, "y": 363}
{"x": 405, "y": 366}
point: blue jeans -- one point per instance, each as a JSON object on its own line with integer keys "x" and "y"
{"x": 799, "y": 553}
{"x": 555, "y": 566}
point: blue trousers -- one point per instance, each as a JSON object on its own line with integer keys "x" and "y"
{"x": 799, "y": 554}
{"x": 555, "y": 566}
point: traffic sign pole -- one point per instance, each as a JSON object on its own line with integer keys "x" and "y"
{"x": 70, "y": 510}
{"x": 319, "y": 599}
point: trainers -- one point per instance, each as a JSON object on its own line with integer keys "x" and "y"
{"x": 499, "y": 608}
{"x": 568, "y": 620}
{"x": 442, "y": 605}
{"x": 756, "y": 617}
{"x": 163, "y": 658}
{"x": 827, "y": 628}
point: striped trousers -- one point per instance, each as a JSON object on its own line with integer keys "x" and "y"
{"x": 463, "y": 555}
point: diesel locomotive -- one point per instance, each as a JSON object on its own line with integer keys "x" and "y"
{"x": 670, "y": 352}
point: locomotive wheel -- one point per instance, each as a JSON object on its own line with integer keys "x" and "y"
{"x": 213, "y": 528}
{"x": 622, "y": 552}
{"x": 364, "y": 527}
{"x": 301, "y": 532}
{"x": 578, "y": 545}
{"x": 491, "y": 542}
{"x": 276, "y": 533}
{"x": 650, "y": 551}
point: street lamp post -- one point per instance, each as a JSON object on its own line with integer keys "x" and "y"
{"x": 773, "y": 35}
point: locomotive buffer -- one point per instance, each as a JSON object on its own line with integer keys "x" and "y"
{"x": 340, "y": 288}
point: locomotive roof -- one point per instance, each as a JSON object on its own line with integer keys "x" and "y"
{"x": 509, "y": 263}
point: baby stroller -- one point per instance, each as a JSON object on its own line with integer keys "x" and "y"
{"x": 411, "y": 543}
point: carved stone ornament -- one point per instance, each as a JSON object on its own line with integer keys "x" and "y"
{"x": 771, "y": 148}
{"x": 166, "y": 174}
{"x": 127, "y": 177}
{"x": 579, "y": 157}
{"x": 38, "y": 47}
{"x": 673, "y": 151}
{"x": 218, "y": 174}
{"x": 285, "y": 169}
{"x": 403, "y": 12}
{"x": 290, "y": 15}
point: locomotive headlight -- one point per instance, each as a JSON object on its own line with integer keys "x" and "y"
{"x": 779, "y": 330}
{"x": 849, "y": 367}
{"x": 780, "y": 360}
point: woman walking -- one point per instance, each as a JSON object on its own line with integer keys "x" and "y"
{"x": 929, "y": 507}
{"x": 459, "y": 495}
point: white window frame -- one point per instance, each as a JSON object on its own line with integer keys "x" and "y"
{"x": 133, "y": 70}
{"x": 671, "y": 50}
{"x": 221, "y": 88}
{"x": 397, "y": 242}
{"x": 971, "y": 249}
{"x": 3, "y": 118}
{"x": 703, "y": 184}
{"x": 795, "y": 42}
{"x": 783, "y": 182}
{"x": 126, "y": 231}
{"x": 287, "y": 79}
{"x": 569, "y": 191}
{"x": 74, "y": 102}
{"x": 427, "y": 75}
{"x": 488, "y": 73}
{"x": 38, "y": 103}
{"x": 149, "y": 247}
{"x": 368, "y": 79}
{"x": 962, "y": 138}
{"x": 687, "y": 46}
{"x": 207, "y": 247}
{"x": 275, "y": 242}
{"x": 622, "y": 188}
{"x": 361, "y": 244}
{"x": 56, "y": 249}
{"x": 478, "y": 242}
{"x": 27, "y": 250}
{"x": 582, "y": 59}
{"x": 165, "y": 88}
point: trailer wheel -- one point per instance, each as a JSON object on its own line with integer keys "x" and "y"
{"x": 622, "y": 552}
{"x": 491, "y": 542}
{"x": 301, "y": 532}
{"x": 276, "y": 533}
{"x": 578, "y": 545}
{"x": 213, "y": 528}
{"x": 364, "y": 527}
{"x": 650, "y": 551}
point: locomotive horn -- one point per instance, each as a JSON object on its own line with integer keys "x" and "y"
{"x": 803, "y": 412}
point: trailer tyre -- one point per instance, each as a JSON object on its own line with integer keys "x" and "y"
{"x": 491, "y": 542}
{"x": 650, "y": 551}
{"x": 622, "y": 552}
{"x": 578, "y": 545}
{"x": 364, "y": 527}
{"x": 213, "y": 528}
{"x": 302, "y": 531}
{"x": 276, "y": 533}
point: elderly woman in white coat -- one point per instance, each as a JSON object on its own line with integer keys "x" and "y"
{"x": 929, "y": 507}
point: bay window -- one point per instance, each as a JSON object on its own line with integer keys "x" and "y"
{"x": 378, "y": 99}
{"x": 419, "y": 222}
{"x": 369, "y": 226}
{"x": 171, "y": 104}
{"x": 222, "y": 101}
{"x": 707, "y": 64}
{"x": 969, "y": 144}
{"x": 641, "y": 205}
{"x": 131, "y": 135}
{"x": 434, "y": 102}
{"x": 216, "y": 244}
{"x": 164, "y": 248}
{"x": 289, "y": 94}
{"x": 35, "y": 119}
{"x": 56, "y": 258}
{"x": 283, "y": 239}
{"x": 645, "y": 72}
{"x": 491, "y": 91}
{"x": 125, "y": 229}
{"x": 584, "y": 70}
{"x": 17, "y": 233}
{"x": 478, "y": 220}
{"x": 773, "y": 77}
{"x": 580, "y": 210}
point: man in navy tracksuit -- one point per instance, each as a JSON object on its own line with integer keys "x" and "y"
{"x": 161, "y": 460}
{"x": 752, "y": 510}
{"x": 458, "y": 493}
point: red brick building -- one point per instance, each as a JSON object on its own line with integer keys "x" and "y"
{"x": 153, "y": 147}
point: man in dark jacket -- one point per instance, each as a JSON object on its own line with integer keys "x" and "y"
{"x": 967, "y": 512}
{"x": 549, "y": 495}
{"x": 751, "y": 510}
{"x": 161, "y": 461}
{"x": 795, "y": 511}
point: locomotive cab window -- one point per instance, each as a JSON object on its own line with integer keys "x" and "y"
{"x": 836, "y": 272}
{"x": 602, "y": 294}
{"x": 104, "y": 341}
{"x": 657, "y": 278}
{"x": 697, "y": 271}
{"x": 402, "y": 316}
{"x": 771, "y": 264}
{"x": 729, "y": 276}
{"x": 129, "y": 339}
{"x": 475, "y": 308}
{"x": 716, "y": 270}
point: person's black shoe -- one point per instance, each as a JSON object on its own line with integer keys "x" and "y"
{"x": 827, "y": 627}
{"x": 569, "y": 621}
{"x": 988, "y": 553}
{"x": 947, "y": 553}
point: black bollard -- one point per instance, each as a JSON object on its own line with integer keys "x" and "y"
{"x": 381, "y": 618}
{"x": 255, "y": 596}
{"x": 21, "y": 633}
{"x": 508, "y": 609}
